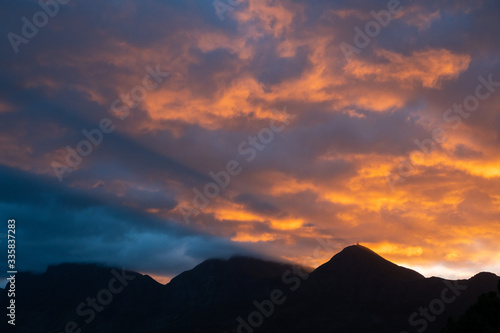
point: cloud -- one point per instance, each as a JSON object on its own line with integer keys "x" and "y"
{"x": 428, "y": 67}
{"x": 67, "y": 225}
{"x": 322, "y": 176}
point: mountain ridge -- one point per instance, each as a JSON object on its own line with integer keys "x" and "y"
{"x": 355, "y": 291}
{"x": 358, "y": 259}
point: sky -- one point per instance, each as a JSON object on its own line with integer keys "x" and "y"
{"x": 154, "y": 135}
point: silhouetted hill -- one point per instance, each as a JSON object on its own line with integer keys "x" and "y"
{"x": 482, "y": 317}
{"x": 356, "y": 291}
{"x": 216, "y": 291}
{"x": 359, "y": 291}
{"x": 47, "y": 302}
{"x": 361, "y": 262}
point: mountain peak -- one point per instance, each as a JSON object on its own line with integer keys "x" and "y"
{"x": 357, "y": 249}
{"x": 357, "y": 253}
{"x": 360, "y": 261}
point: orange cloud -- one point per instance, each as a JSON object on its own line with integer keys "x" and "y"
{"x": 428, "y": 68}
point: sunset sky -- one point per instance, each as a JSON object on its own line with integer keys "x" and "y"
{"x": 334, "y": 133}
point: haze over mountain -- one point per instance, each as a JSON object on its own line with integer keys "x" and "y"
{"x": 355, "y": 291}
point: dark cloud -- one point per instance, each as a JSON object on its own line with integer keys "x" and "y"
{"x": 259, "y": 205}
{"x": 323, "y": 174}
{"x": 57, "y": 224}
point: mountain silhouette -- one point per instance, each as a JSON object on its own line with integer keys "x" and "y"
{"x": 482, "y": 317}
{"x": 362, "y": 263}
{"x": 355, "y": 291}
{"x": 359, "y": 291}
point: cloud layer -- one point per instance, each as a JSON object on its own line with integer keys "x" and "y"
{"x": 342, "y": 166}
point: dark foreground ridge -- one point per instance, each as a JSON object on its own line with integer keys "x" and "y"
{"x": 355, "y": 291}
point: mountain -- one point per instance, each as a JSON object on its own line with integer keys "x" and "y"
{"x": 215, "y": 292}
{"x": 482, "y": 316}
{"x": 47, "y": 302}
{"x": 203, "y": 299}
{"x": 356, "y": 291}
{"x": 359, "y": 291}
{"x": 361, "y": 262}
